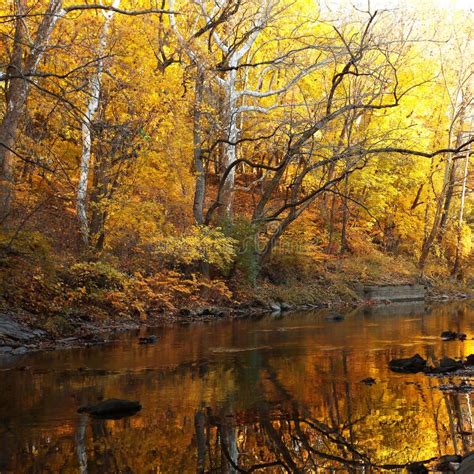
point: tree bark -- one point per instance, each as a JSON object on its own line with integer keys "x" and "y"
{"x": 17, "y": 92}
{"x": 457, "y": 258}
{"x": 199, "y": 166}
{"x": 92, "y": 107}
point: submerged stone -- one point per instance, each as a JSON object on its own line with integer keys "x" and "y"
{"x": 334, "y": 317}
{"x": 147, "y": 340}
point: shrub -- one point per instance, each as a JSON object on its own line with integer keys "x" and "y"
{"x": 202, "y": 244}
{"x": 95, "y": 276}
{"x": 244, "y": 234}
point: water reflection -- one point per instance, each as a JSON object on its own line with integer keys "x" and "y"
{"x": 266, "y": 395}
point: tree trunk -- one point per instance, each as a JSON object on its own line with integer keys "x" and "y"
{"x": 199, "y": 166}
{"x": 230, "y": 147}
{"x": 457, "y": 258}
{"x": 17, "y": 93}
{"x": 447, "y": 202}
{"x": 92, "y": 107}
{"x": 99, "y": 193}
{"x": 345, "y": 216}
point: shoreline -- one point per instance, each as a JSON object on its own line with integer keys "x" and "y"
{"x": 19, "y": 335}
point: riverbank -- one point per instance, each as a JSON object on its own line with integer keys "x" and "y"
{"x": 47, "y": 303}
{"x": 20, "y": 332}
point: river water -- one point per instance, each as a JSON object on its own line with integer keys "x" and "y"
{"x": 268, "y": 394}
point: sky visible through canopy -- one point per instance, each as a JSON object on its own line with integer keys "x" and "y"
{"x": 383, "y": 4}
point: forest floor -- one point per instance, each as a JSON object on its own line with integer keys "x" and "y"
{"x": 85, "y": 304}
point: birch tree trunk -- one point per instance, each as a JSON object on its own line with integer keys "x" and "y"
{"x": 230, "y": 147}
{"x": 92, "y": 107}
{"x": 199, "y": 166}
{"x": 18, "y": 89}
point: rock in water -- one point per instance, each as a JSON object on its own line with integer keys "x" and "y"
{"x": 275, "y": 307}
{"x": 368, "y": 381}
{"x": 112, "y": 409}
{"x": 450, "y": 365}
{"x": 452, "y": 336}
{"x": 334, "y": 317}
{"x": 446, "y": 365}
{"x": 147, "y": 340}
{"x": 417, "y": 468}
{"x": 470, "y": 359}
{"x": 467, "y": 465}
{"x": 448, "y": 463}
{"x": 411, "y": 365}
{"x": 448, "y": 335}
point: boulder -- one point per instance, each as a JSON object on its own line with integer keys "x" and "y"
{"x": 13, "y": 330}
{"x": 184, "y": 312}
{"x": 285, "y": 306}
{"x": 410, "y": 365}
{"x": 20, "y": 350}
{"x": 448, "y": 463}
{"x": 446, "y": 365}
{"x": 470, "y": 359}
{"x": 275, "y": 307}
{"x": 112, "y": 409}
{"x": 450, "y": 365}
{"x": 147, "y": 340}
{"x": 334, "y": 317}
{"x": 453, "y": 336}
{"x": 417, "y": 468}
{"x": 467, "y": 465}
{"x": 448, "y": 335}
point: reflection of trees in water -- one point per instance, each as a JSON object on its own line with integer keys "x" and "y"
{"x": 289, "y": 443}
{"x": 297, "y": 407}
{"x": 289, "y": 439}
{"x": 459, "y": 407}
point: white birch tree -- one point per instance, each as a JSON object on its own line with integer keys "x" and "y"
{"x": 87, "y": 125}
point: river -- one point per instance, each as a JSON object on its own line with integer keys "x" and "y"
{"x": 268, "y": 394}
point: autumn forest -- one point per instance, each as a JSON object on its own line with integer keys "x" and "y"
{"x": 230, "y": 144}
{"x": 210, "y": 211}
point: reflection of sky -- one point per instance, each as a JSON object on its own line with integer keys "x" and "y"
{"x": 378, "y": 4}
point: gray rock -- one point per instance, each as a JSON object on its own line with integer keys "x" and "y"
{"x": 334, "y": 317}
{"x": 285, "y": 306}
{"x": 13, "y": 330}
{"x": 20, "y": 350}
{"x": 448, "y": 463}
{"x": 275, "y": 307}
{"x": 148, "y": 339}
{"x": 6, "y": 350}
{"x": 467, "y": 465}
{"x": 417, "y": 468}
